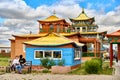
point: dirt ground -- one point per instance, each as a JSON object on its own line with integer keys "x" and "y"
{"x": 14, "y": 76}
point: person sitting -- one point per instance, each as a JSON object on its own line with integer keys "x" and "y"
{"x": 22, "y": 61}
{"x": 16, "y": 64}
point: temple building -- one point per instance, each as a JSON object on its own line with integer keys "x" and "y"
{"x": 53, "y": 40}
{"x": 56, "y": 47}
{"x": 58, "y": 39}
{"x": 53, "y": 24}
{"x": 87, "y": 28}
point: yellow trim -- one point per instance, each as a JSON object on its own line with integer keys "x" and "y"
{"x": 91, "y": 32}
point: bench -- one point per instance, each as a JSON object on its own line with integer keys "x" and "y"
{"x": 27, "y": 66}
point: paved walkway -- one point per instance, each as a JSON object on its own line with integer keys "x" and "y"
{"x": 13, "y": 76}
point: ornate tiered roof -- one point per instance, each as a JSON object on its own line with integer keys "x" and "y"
{"x": 82, "y": 16}
{"x": 51, "y": 18}
{"x": 52, "y": 39}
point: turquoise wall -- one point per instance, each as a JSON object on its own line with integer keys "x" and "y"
{"x": 67, "y": 55}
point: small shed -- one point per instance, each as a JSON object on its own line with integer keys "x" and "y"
{"x": 56, "y": 47}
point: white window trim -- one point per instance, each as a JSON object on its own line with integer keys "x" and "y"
{"x": 44, "y": 54}
{"x": 79, "y": 54}
{"x": 57, "y": 58}
{"x": 35, "y": 54}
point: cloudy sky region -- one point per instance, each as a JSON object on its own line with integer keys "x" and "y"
{"x": 20, "y": 16}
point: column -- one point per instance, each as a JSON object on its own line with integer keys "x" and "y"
{"x": 111, "y": 55}
{"x": 81, "y": 29}
{"x": 39, "y": 29}
{"x": 55, "y": 27}
{"x": 61, "y": 27}
{"x": 98, "y": 49}
{"x": 47, "y": 27}
{"x": 95, "y": 48}
{"x": 118, "y": 54}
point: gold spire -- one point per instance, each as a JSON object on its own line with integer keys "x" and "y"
{"x": 82, "y": 16}
{"x": 54, "y": 12}
{"x": 82, "y": 10}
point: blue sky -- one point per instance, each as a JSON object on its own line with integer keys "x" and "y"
{"x": 83, "y": 3}
{"x": 20, "y": 16}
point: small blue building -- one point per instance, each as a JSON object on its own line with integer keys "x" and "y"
{"x": 56, "y": 47}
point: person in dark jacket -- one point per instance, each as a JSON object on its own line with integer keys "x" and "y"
{"x": 22, "y": 61}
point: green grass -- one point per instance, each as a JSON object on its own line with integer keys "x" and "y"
{"x": 81, "y": 71}
{"x": 4, "y": 61}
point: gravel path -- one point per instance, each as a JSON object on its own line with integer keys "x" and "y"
{"x": 13, "y": 76}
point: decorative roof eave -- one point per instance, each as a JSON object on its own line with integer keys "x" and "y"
{"x": 47, "y": 21}
{"x": 11, "y": 39}
{"x": 109, "y": 35}
{"x": 52, "y": 18}
{"x": 104, "y": 32}
{"x": 43, "y": 34}
{"x": 53, "y": 45}
{"x": 74, "y": 19}
{"x": 30, "y": 35}
{"x": 70, "y": 34}
{"x": 49, "y": 45}
{"x": 84, "y": 24}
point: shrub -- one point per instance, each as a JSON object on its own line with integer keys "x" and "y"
{"x": 92, "y": 66}
{"x": 47, "y": 63}
{"x": 100, "y": 61}
{"x": 61, "y": 62}
{"x": 46, "y": 71}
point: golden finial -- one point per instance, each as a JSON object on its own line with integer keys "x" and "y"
{"x": 54, "y": 12}
{"x": 82, "y": 10}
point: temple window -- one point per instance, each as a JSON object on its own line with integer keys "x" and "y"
{"x": 78, "y": 29}
{"x": 38, "y": 54}
{"x": 48, "y": 54}
{"x": 84, "y": 29}
{"x": 53, "y": 54}
{"x": 56, "y": 54}
{"x": 77, "y": 53}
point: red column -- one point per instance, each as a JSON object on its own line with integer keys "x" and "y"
{"x": 98, "y": 51}
{"x": 111, "y": 55}
{"x": 118, "y": 55}
{"x": 95, "y": 48}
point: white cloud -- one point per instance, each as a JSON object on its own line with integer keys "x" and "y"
{"x": 21, "y": 19}
{"x": 3, "y": 29}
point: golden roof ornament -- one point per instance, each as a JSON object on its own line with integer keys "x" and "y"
{"x": 54, "y": 12}
{"x": 83, "y": 10}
